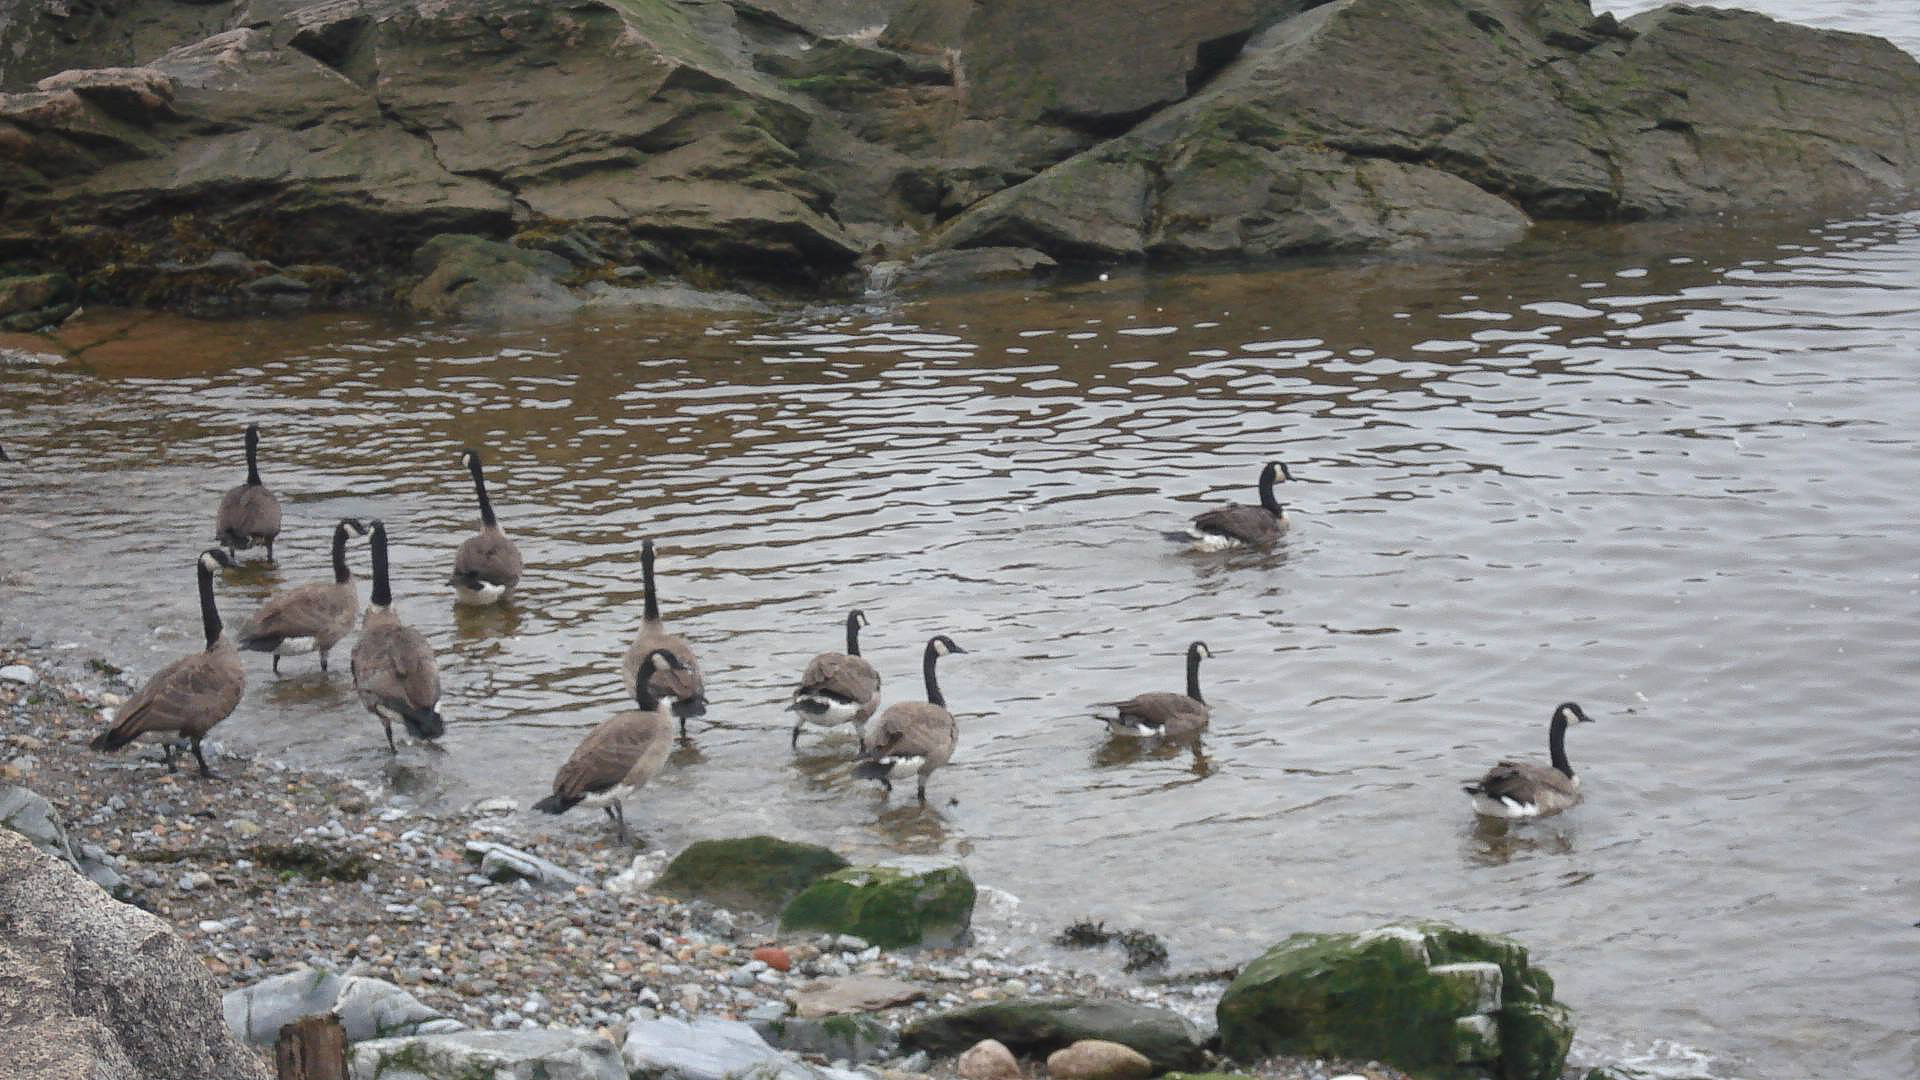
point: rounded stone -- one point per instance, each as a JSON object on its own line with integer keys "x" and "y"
{"x": 1097, "y": 1059}
{"x": 988, "y": 1059}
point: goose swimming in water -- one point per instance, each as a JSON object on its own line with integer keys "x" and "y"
{"x": 1240, "y": 525}
{"x": 1525, "y": 789}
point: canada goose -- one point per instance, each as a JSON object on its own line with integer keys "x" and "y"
{"x": 837, "y": 687}
{"x": 1238, "y": 523}
{"x": 1524, "y": 789}
{"x": 653, "y": 635}
{"x": 1164, "y": 715}
{"x": 392, "y": 664}
{"x": 487, "y": 566}
{"x": 914, "y": 734}
{"x": 309, "y": 618}
{"x": 249, "y": 514}
{"x": 617, "y": 758}
{"x": 191, "y": 694}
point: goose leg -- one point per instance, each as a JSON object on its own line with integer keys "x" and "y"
{"x": 323, "y": 661}
{"x": 619, "y": 815}
{"x": 169, "y": 750}
{"x": 276, "y": 663}
{"x": 205, "y": 772}
{"x": 796, "y": 734}
{"x": 388, "y": 724}
{"x": 922, "y": 790}
{"x": 269, "y": 550}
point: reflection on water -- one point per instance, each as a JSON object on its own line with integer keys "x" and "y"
{"x": 1665, "y": 472}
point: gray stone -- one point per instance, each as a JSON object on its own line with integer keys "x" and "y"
{"x": 710, "y": 1049}
{"x": 853, "y": 994}
{"x": 530, "y": 1054}
{"x": 98, "y": 989}
{"x": 856, "y": 1038}
{"x": 498, "y": 862}
{"x": 30, "y": 815}
{"x": 19, "y": 673}
{"x": 368, "y": 1008}
{"x": 1042, "y": 1026}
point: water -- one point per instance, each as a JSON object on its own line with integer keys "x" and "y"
{"x": 1666, "y": 472}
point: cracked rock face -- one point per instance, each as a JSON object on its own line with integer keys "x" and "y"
{"x": 324, "y": 143}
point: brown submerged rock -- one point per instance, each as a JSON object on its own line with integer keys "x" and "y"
{"x": 92, "y": 987}
{"x": 1096, "y": 1059}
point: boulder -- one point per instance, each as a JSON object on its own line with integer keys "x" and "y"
{"x": 1163, "y": 1037}
{"x": 854, "y": 1037}
{"x": 889, "y": 906}
{"x": 1097, "y": 1059}
{"x": 1384, "y": 124}
{"x": 709, "y": 1049}
{"x": 853, "y": 994}
{"x": 754, "y": 873}
{"x": 368, "y": 1008}
{"x": 473, "y": 277}
{"x": 988, "y": 1059}
{"x": 99, "y": 989}
{"x": 535, "y": 1054}
{"x": 951, "y": 268}
{"x": 502, "y": 863}
{"x": 32, "y": 301}
{"x": 1426, "y": 997}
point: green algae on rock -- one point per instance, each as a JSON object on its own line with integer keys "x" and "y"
{"x": 1431, "y": 998}
{"x": 752, "y": 873}
{"x": 887, "y": 906}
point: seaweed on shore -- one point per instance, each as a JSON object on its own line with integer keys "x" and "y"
{"x": 1085, "y": 934}
{"x": 1144, "y": 950}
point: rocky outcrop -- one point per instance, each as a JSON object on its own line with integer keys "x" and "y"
{"x": 309, "y": 152}
{"x": 539, "y": 1054}
{"x": 751, "y": 873}
{"x": 368, "y": 1008}
{"x": 889, "y": 906}
{"x": 1430, "y": 998}
{"x": 1162, "y": 1036}
{"x": 31, "y": 816}
{"x": 98, "y": 989}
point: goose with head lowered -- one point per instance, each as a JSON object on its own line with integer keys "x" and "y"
{"x": 837, "y": 688}
{"x": 1526, "y": 789}
{"x": 309, "y": 618}
{"x": 617, "y": 758}
{"x": 1162, "y": 715}
{"x": 249, "y": 514}
{"x": 393, "y": 669}
{"x": 1240, "y": 525}
{"x": 653, "y": 635}
{"x": 192, "y": 694}
{"x": 916, "y": 735}
{"x": 487, "y": 566}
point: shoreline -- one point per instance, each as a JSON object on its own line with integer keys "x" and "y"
{"x": 271, "y": 869}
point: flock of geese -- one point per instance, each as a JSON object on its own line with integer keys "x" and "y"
{"x": 396, "y": 679}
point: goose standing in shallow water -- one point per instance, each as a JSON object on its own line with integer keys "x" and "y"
{"x": 918, "y": 735}
{"x": 309, "y": 618}
{"x": 1164, "y": 715}
{"x": 653, "y": 635}
{"x": 392, "y": 664}
{"x": 617, "y": 758}
{"x": 487, "y": 566}
{"x": 837, "y": 688}
{"x": 249, "y": 514}
{"x": 191, "y": 694}
{"x": 1525, "y": 789}
{"x": 1240, "y": 525}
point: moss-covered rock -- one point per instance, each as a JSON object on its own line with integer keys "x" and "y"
{"x": 855, "y": 1037}
{"x": 31, "y": 301}
{"x": 752, "y": 873}
{"x": 1037, "y": 1027}
{"x": 1431, "y": 998}
{"x": 887, "y": 906}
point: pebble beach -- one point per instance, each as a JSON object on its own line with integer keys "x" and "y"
{"x": 270, "y": 869}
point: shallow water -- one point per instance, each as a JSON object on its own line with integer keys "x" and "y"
{"x": 1667, "y": 473}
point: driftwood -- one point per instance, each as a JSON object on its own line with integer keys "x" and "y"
{"x": 312, "y": 1048}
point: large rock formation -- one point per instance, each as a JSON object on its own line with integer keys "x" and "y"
{"x": 292, "y": 152}
{"x": 91, "y": 987}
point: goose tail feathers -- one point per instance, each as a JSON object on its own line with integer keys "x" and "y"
{"x": 556, "y": 804}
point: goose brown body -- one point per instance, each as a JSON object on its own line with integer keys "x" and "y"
{"x": 308, "y": 618}
{"x": 837, "y": 687}
{"x": 249, "y": 513}
{"x": 1240, "y": 524}
{"x": 653, "y": 636}
{"x": 1525, "y": 789}
{"x": 488, "y": 566}
{"x": 1161, "y": 714}
{"x": 394, "y": 673}
{"x": 192, "y": 694}
{"x": 920, "y": 735}
{"x": 626, "y": 750}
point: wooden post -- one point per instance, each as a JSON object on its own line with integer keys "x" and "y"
{"x": 312, "y": 1048}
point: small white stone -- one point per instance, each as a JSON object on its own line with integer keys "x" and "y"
{"x": 18, "y": 673}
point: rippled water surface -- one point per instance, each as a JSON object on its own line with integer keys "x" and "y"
{"x": 1667, "y": 473}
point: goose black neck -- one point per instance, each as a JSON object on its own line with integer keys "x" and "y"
{"x": 209, "y": 615}
{"x": 933, "y": 684}
{"x": 646, "y": 582}
{"x": 382, "y": 591}
{"x": 1193, "y": 675}
{"x": 1267, "y": 477}
{"x": 341, "y": 575}
{"x": 642, "y": 693}
{"x": 1557, "y": 743}
{"x": 853, "y": 634}
{"x": 253, "y": 455}
{"x": 480, "y": 492}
